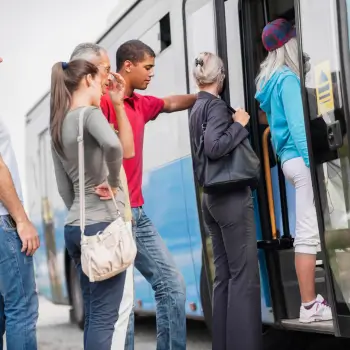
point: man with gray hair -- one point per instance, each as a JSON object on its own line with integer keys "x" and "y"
{"x": 87, "y": 51}
{"x": 98, "y": 56}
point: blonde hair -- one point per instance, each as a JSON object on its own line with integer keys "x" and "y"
{"x": 287, "y": 55}
{"x": 208, "y": 69}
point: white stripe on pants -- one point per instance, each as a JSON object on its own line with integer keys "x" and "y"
{"x": 307, "y": 238}
{"x": 121, "y": 326}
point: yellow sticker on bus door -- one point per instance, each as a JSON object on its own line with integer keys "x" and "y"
{"x": 324, "y": 88}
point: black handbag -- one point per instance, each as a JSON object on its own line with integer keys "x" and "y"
{"x": 236, "y": 170}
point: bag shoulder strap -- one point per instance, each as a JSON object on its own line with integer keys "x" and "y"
{"x": 81, "y": 158}
{"x": 205, "y": 111}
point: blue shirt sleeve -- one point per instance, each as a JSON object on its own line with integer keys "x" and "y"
{"x": 293, "y": 110}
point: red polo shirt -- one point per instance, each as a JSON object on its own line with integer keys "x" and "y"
{"x": 140, "y": 110}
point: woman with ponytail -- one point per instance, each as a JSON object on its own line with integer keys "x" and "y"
{"x": 74, "y": 86}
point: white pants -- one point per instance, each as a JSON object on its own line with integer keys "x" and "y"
{"x": 307, "y": 239}
{"x": 121, "y": 326}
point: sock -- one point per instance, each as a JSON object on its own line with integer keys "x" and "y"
{"x": 309, "y": 305}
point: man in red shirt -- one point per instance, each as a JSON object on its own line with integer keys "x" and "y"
{"x": 135, "y": 62}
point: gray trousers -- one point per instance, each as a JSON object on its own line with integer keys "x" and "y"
{"x": 229, "y": 217}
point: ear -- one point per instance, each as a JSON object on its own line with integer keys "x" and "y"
{"x": 128, "y": 66}
{"x": 89, "y": 80}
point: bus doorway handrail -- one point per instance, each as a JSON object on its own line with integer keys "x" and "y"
{"x": 265, "y": 145}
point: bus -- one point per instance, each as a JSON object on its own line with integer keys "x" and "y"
{"x": 178, "y": 30}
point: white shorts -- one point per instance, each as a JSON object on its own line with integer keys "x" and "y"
{"x": 307, "y": 239}
{"x": 126, "y": 305}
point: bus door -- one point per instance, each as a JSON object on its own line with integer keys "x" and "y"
{"x": 199, "y": 36}
{"x": 323, "y": 34}
{"x": 238, "y": 32}
{"x": 242, "y": 50}
{"x": 274, "y": 198}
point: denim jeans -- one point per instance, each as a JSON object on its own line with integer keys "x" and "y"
{"x": 18, "y": 297}
{"x": 156, "y": 264}
{"x": 101, "y": 299}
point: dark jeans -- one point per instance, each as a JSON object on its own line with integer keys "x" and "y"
{"x": 156, "y": 264}
{"x": 18, "y": 297}
{"x": 101, "y": 299}
{"x": 236, "y": 299}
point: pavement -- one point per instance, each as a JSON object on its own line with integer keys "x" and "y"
{"x": 55, "y": 332}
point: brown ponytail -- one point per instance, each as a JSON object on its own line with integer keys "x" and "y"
{"x": 65, "y": 79}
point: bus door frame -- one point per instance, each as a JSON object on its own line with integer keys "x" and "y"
{"x": 205, "y": 256}
{"x": 268, "y": 244}
{"x": 341, "y": 323}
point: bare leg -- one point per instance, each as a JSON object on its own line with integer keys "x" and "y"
{"x": 305, "y": 268}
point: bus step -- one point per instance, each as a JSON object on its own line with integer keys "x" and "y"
{"x": 317, "y": 327}
{"x": 290, "y": 286}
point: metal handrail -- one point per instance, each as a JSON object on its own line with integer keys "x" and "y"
{"x": 268, "y": 180}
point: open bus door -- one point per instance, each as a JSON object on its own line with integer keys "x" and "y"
{"x": 323, "y": 34}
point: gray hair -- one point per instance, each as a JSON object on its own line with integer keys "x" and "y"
{"x": 86, "y": 51}
{"x": 208, "y": 69}
{"x": 287, "y": 55}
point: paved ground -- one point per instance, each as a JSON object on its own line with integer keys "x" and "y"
{"x": 56, "y": 333}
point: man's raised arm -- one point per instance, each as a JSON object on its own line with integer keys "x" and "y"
{"x": 178, "y": 102}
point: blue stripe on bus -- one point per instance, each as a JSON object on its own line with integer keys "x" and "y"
{"x": 171, "y": 204}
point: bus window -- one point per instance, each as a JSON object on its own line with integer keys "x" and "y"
{"x": 234, "y": 55}
{"x": 47, "y": 198}
{"x": 200, "y": 31}
{"x": 324, "y": 86}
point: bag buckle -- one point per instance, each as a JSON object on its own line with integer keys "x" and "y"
{"x": 98, "y": 235}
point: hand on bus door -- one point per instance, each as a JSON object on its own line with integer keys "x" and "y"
{"x": 117, "y": 89}
{"x": 241, "y": 116}
{"x": 29, "y": 237}
{"x": 104, "y": 191}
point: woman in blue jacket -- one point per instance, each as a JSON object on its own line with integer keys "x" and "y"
{"x": 279, "y": 95}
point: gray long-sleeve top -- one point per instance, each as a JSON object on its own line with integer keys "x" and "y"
{"x": 103, "y": 159}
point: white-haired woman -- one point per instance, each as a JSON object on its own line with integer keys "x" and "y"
{"x": 228, "y": 215}
{"x": 278, "y": 92}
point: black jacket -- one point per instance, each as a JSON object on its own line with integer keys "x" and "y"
{"x": 222, "y": 135}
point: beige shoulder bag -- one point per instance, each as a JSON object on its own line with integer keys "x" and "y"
{"x": 110, "y": 251}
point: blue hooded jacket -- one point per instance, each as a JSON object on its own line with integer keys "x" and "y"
{"x": 280, "y": 99}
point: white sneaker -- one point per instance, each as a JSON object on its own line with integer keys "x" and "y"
{"x": 320, "y": 311}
